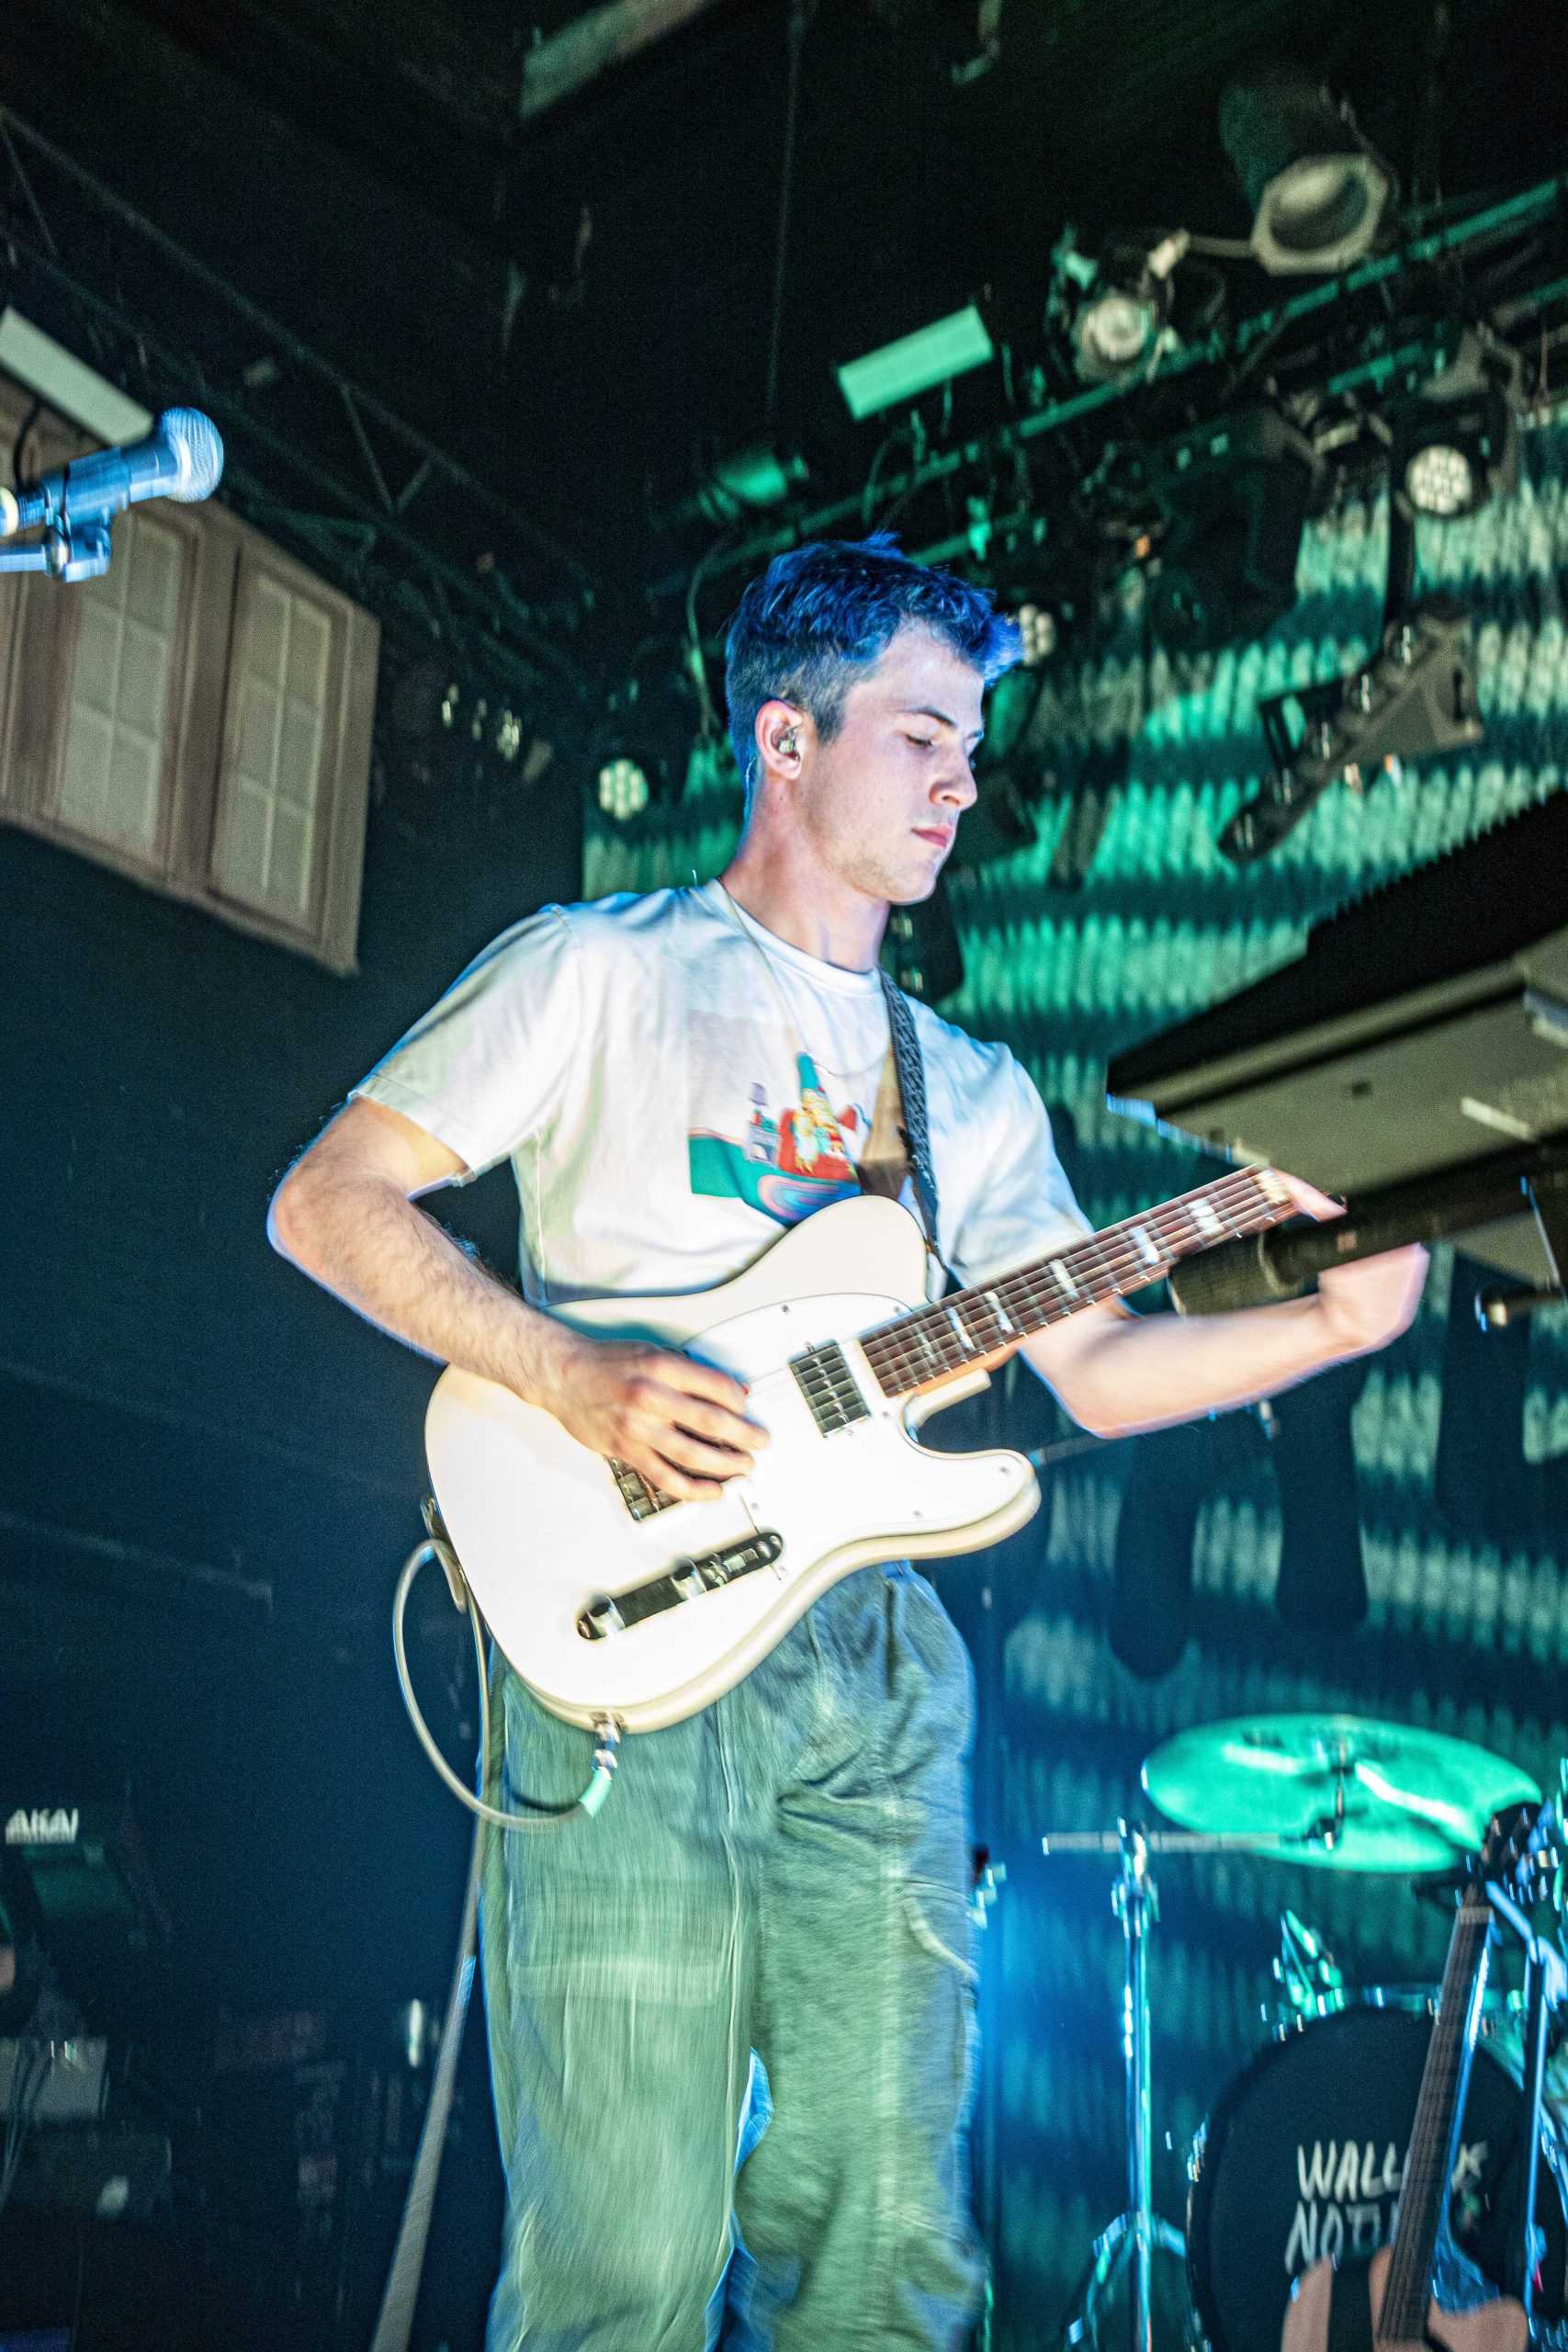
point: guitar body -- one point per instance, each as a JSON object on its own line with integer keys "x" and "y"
{"x": 1319, "y": 2295}
{"x": 544, "y": 1530}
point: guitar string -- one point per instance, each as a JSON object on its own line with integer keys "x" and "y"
{"x": 1031, "y": 1288}
{"x": 903, "y": 1354}
{"x": 896, "y": 1352}
{"x": 1114, "y": 1248}
{"x": 1097, "y": 1270}
{"x": 1411, "y": 2263}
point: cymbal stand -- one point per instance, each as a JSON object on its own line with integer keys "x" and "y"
{"x": 1130, "y": 2242}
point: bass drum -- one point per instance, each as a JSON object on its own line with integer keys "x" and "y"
{"x": 1301, "y": 2158}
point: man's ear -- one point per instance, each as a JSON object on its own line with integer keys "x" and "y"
{"x": 781, "y": 734}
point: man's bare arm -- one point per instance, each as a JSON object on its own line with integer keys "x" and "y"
{"x": 1118, "y": 1373}
{"x": 346, "y": 1215}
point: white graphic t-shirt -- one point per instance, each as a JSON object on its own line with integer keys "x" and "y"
{"x": 673, "y": 1086}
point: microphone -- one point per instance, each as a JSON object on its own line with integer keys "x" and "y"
{"x": 1263, "y": 1267}
{"x": 182, "y": 457}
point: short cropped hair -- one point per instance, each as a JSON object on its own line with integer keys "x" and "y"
{"x": 821, "y": 614}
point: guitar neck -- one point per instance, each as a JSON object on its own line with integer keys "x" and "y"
{"x": 1423, "y": 2197}
{"x": 974, "y": 1328}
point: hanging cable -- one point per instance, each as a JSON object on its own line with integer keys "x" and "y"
{"x": 606, "y": 1730}
{"x": 799, "y": 14}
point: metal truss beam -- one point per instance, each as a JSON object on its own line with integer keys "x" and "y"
{"x": 360, "y": 522}
{"x": 1265, "y": 330}
{"x": 567, "y": 61}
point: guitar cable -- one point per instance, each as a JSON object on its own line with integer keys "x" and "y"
{"x": 606, "y": 1731}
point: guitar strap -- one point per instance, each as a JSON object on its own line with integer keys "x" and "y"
{"x": 899, "y": 1143}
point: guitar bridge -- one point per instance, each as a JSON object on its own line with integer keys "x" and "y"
{"x": 687, "y": 1580}
{"x": 641, "y": 1500}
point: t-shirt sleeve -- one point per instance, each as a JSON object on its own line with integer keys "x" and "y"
{"x": 483, "y": 1066}
{"x": 1021, "y": 1206}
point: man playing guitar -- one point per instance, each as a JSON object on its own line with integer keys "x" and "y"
{"x": 767, "y": 1927}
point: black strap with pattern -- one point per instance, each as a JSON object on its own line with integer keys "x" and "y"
{"x": 912, "y": 1069}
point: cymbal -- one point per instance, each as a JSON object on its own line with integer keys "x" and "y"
{"x": 1413, "y": 1800}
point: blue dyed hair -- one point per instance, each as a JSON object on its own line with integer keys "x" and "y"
{"x": 821, "y": 614}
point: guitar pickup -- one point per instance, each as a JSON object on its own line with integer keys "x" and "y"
{"x": 687, "y": 1580}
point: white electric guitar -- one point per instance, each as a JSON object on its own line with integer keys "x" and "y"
{"x": 610, "y": 1598}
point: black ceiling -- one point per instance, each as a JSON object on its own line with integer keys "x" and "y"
{"x": 577, "y": 307}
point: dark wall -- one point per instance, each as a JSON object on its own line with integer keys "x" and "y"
{"x": 208, "y": 1470}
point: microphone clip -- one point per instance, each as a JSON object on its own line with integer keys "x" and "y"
{"x": 65, "y": 552}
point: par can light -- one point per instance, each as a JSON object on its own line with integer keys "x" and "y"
{"x": 1318, "y": 191}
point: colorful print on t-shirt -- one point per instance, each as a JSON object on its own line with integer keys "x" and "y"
{"x": 788, "y": 1163}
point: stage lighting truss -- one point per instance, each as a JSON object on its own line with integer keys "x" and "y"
{"x": 1339, "y": 365}
{"x": 1416, "y": 697}
{"x": 1459, "y": 445}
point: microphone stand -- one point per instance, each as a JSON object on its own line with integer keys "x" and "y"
{"x": 1131, "y": 2242}
{"x": 1532, "y": 1179}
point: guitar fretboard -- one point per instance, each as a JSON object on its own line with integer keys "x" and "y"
{"x": 1423, "y": 2192}
{"x": 936, "y": 1342}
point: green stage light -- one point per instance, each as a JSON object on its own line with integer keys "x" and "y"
{"x": 915, "y": 364}
{"x": 751, "y": 481}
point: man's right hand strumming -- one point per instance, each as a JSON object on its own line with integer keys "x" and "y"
{"x": 679, "y": 1424}
{"x": 346, "y": 1215}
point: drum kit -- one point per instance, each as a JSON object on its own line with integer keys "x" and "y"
{"x": 1301, "y": 2156}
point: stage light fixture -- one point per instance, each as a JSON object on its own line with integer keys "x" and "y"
{"x": 1416, "y": 696}
{"x": 1318, "y": 190}
{"x": 1119, "y": 307}
{"x": 1234, "y": 495}
{"x": 1459, "y": 445}
{"x": 752, "y": 482}
{"x": 1037, "y": 631}
{"x": 1439, "y": 480}
{"x": 489, "y": 724}
{"x": 67, "y": 383}
{"x": 915, "y": 364}
{"x": 643, "y": 747}
{"x": 1115, "y": 336}
{"x": 623, "y": 789}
